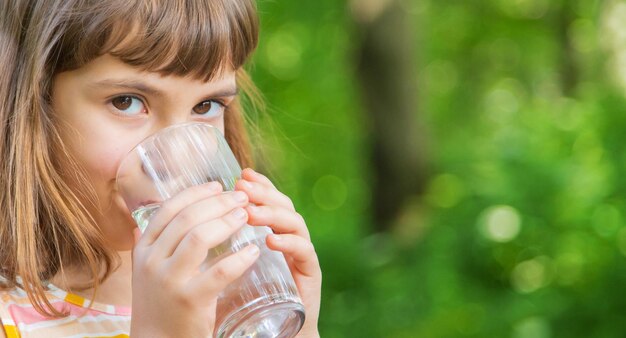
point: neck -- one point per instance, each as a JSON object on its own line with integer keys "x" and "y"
{"x": 115, "y": 290}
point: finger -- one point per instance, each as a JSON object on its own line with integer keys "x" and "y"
{"x": 193, "y": 248}
{"x": 212, "y": 281}
{"x": 251, "y": 175}
{"x": 136, "y": 238}
{"x": 281, "y": 220}
{"x": 264, "y": 195}
{"x": 301, "y": 250}
{"x": 172, "y": 206}
{"x": 192, "y": 215}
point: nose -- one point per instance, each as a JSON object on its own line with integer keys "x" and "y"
{"x": 163, "y": 122}
{"x": 176, "y": 119}
{"x": 171, "y": 119}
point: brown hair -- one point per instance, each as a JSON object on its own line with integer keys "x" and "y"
{"x": 43, "y": 223}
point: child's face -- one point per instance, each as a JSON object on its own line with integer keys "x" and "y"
{"x": 106, "y": 107}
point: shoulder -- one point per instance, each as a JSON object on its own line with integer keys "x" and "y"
{"x": 17, "y": 312}
{"x": 12, "y": 301}
{"x": 3, "y": 315}
{"x": 18, "y": 315}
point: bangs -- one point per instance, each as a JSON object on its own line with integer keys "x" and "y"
{"x": 200, "y": 38}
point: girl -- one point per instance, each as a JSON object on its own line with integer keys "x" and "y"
{"x": 82, "y": 82}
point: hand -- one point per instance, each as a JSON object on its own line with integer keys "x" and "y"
{"x": 174, "y": 292}
{"x": 291, "y": 237}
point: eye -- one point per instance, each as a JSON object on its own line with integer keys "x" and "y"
{"x": 209, "y": 108}
{"x": 128, "y": 105}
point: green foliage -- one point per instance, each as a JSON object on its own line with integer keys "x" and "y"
{"x": 521, "y": 232}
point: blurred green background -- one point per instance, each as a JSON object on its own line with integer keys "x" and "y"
{"x": 513, "y": 225}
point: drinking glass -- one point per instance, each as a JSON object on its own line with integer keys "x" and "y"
{"x": 264, "y": 302}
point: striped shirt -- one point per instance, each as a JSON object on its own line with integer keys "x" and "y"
{"x": 20, "y": 319}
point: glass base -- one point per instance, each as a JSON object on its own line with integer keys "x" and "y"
{"x": 265, "y": 319}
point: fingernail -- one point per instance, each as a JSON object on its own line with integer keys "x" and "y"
{"x": 254, "y": 209}
{"x": 214, "y": 186}
{"x": 239, "y": 213}
{"x": 276, "y": 238}
{"x": 252, "y": 250}
{"x": 240, "y": 196}
{"x": 246, "y": 184}
{"x": 256, "y": 173}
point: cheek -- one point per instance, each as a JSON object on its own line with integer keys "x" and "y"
{"x": 102, "y": 161}
{"x": 219, "y": 124}
{"x": 99, "y": 151}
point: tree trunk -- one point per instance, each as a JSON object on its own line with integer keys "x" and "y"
{"x": 386, "y": 67}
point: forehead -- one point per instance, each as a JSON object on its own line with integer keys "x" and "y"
{"x": 112, "y": 69}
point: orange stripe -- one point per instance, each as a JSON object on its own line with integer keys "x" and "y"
{"x": 74, "y": 299}
{"x": 11, "y": 331}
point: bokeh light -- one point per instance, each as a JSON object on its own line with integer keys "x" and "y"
{"x": 329, "y": 192}
{"x": 500, "y": 223}
{"x": 533, "y": 327}
{"x": 531, "y": 275}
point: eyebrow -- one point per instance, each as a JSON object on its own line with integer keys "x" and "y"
{"x": 143, "y": 87}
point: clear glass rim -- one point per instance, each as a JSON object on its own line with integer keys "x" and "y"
{"x": 155, "y": 135}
